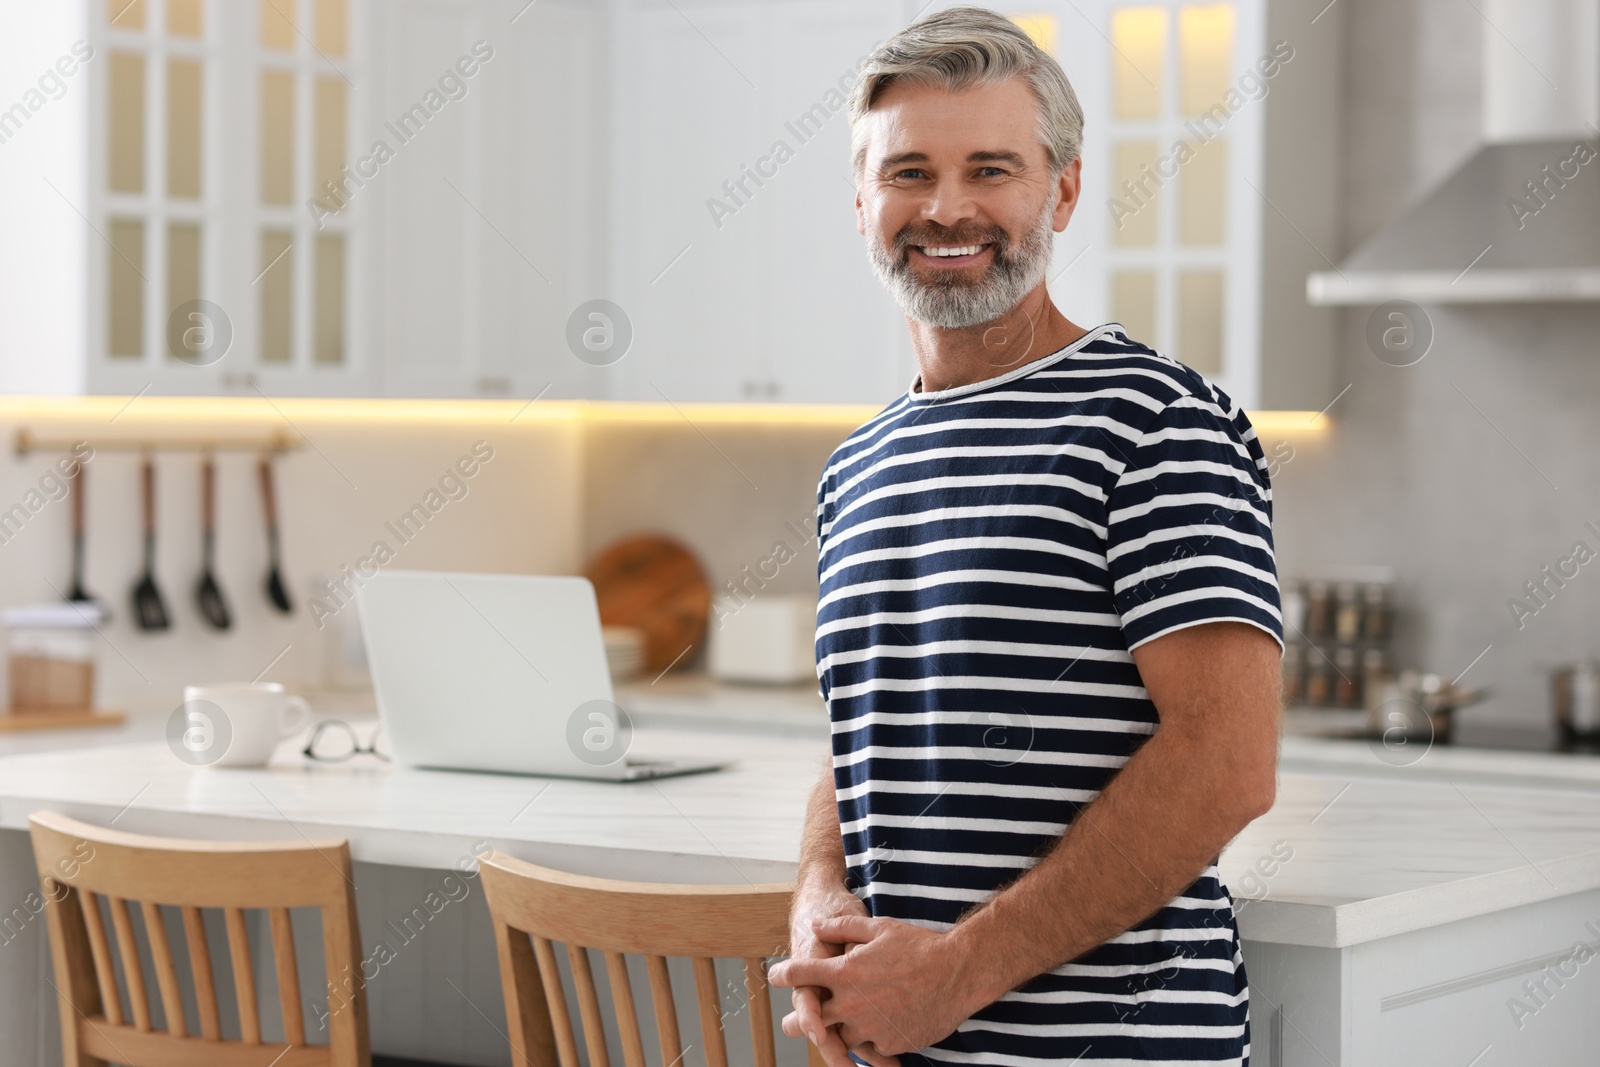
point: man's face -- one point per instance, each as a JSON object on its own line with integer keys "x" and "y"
{"x": 960, "y": 171}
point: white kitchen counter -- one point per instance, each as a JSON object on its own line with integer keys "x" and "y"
{"x": 1374, "y": 854}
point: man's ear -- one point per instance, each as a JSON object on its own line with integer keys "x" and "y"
{"x": 1069, "y": 187}
{"x": 861, "y": 214}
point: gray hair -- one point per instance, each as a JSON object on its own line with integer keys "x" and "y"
{"x": 958, "y": 49}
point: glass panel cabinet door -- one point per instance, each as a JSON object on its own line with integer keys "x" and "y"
{"x": 1172, "y": 155}
{"x": 1166, "y": 235}
{"x": 221, "y": 185}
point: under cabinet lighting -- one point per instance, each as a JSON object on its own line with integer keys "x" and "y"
{"x": 147, "y": 409}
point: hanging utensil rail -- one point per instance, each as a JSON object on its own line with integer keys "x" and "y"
{"x": 272, "y": 442}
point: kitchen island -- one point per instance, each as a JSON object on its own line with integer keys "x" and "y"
{"x": 1416, "y": 915}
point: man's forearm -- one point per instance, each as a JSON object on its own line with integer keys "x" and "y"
{"x": 821, "y": 847}
{"x": 1139, "y": 844}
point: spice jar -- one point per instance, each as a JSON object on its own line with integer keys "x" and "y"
{"x": 1294, "y": 610}
{"x": 1347, "y": 614}
{"x": 1319, "y": 610}
{"x": 1294, "y": 681}
{"x": 1347, "y": 687}
{"x": 1319, "y": 683}
{"x": 1375, "y": 613}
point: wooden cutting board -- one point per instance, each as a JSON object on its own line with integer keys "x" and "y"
{"x": 656, "y": 584}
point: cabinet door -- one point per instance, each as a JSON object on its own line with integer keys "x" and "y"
{"x": 537, "y": 138}
{"x": 688, "y": 273}
{"x": 1167, "y": 236}
{"x": 836, "y": 333}
{"x": 426, "y": 273}
{"x": 207, "y": 273}
{"x": 737, "y": 252}
{"x": 483, "y": 211}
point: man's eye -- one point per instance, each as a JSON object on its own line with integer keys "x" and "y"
{"x": 991, "y": 171}
{"x": 908, "y": 172}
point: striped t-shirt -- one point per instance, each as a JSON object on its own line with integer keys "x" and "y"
{"x": 990, "y": 554}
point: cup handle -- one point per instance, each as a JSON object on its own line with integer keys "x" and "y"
{"x": 299, "y": 720}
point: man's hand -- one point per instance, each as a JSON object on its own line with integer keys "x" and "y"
{"x": 899, "y": 987}
{"x": 813, "y": 905}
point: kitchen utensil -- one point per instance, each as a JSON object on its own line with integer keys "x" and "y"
{"x": 656, "y": 584}
{"x": 207, "y": 593}
{"x": 77, "y": 594}
{"x": 1575, "y": 700}
{"x": 275, "y": 590}
{"x": 1416, "y": 705}
{"x": 149, "y": 610}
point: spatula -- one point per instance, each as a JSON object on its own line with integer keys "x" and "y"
{"x": 149, "y": 611}
{"x": 77, "y": 594}
{"x": 208, "y": 594}
{"x": 275, "y": 590}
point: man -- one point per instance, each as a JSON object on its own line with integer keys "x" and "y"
{"x": 1048, "y": 632}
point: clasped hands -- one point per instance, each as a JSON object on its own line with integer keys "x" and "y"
{"x": 877, "y": 986}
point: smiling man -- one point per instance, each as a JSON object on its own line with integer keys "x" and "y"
{"x": 1048, "y": 633}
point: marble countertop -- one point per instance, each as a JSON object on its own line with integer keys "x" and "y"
{"x": 1354, "y": 849}
{"x": 1378, "y": 841}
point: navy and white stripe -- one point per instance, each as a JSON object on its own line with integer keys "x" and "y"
{"x": 989, "y": 555}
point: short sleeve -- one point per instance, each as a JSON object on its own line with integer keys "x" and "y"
{"x": 822, "y": 496}
{"x": 1189, "y": 525}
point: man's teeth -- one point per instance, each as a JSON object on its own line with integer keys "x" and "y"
{"x": 951, "y": 250}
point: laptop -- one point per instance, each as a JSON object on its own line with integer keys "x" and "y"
{"x": 499, "y": 672}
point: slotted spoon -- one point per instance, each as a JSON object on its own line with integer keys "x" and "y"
{"x": 275, "y": 590}
{"x": 149, "y": 610}
{"x": 77, "y": 594}
{"x": 207, "y": 593}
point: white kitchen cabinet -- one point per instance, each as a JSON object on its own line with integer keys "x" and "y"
{"x": 187, "y": 158}
{"x": 686, "y": 161}
{"x": 482, "y": 225}
{"x": 1232, "y": 104}
{"x": 736, "y": 255}
{"x": 225, "y": 281}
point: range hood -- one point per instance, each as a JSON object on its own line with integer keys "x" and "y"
{"x": 1520, "y": 220}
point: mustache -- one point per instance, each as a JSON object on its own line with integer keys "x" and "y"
{"x": 996, "y": 237}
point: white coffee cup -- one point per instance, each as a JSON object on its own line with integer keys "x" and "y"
{"x": 238, "y": 724}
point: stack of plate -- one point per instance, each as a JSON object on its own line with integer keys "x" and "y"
{"x": 625, "y": 650}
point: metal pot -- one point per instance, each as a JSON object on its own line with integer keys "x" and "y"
{"x": 1575, "y": 700}
{"x": 1416, "y": 706}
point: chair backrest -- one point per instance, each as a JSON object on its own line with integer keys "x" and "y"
{"x": 81, "y": 865}
{"x": 533, "y": 906}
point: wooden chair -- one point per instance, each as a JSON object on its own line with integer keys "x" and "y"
{"x": 79, "y": 864}
{"x": 533, "y": 906}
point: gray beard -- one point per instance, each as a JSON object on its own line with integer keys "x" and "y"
{"x": 955, "y": 303}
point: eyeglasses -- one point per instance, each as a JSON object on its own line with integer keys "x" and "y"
{"x": 334, "y": 741}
